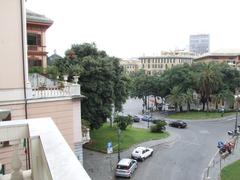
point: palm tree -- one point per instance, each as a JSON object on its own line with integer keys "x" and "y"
{"x": 188, "y": 98}
{"x": 223, "y": 95}
{"x": 175, "y": 97}
{"x": 209, "y": 79}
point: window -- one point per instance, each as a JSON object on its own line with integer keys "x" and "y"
{"x": 148, "y": 60}
{"x": 5, "y": 115}
{"x": 148, "y": 66}
{"x": 161, "y": 60}
{"x": 173, "y": 60}
{"x": 34, "y": 62}
{"x": 34, "y": 39}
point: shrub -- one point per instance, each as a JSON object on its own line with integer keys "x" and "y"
{"x": 123, "y": 121}
{"x": 158, "y": 127}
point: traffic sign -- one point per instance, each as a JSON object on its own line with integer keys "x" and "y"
{"x": 109, "y": 148}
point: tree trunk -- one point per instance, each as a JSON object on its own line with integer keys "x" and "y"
{"x": 155, "y": 101}
{"x": 203, "y": 107}
{"x": 188, "y": 106}
{"x": 180, "y": 108}
{"x": 207, "y": 106}
{"x": 175, "y": 105}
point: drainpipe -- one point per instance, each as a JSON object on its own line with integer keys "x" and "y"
{"x": 25, "y": 69}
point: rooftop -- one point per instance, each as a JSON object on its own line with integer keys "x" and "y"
{"x": 35, "y": 17}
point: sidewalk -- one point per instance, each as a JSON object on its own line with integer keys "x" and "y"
{"x": 226, "y": 118}
{"x": 104, "y": 164}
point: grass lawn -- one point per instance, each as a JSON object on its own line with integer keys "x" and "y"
{"x": 231, "y": 172}
{"x": 198, "y": 115}
{"x": 100, "y": 137}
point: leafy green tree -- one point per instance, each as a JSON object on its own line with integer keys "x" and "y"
{"x": 208, "y": 81}
{"x": 188, "y": 98}
{"x": 176, "y": 97}
{"x": 102, "y": 81}
{"x": 123, "y": 121}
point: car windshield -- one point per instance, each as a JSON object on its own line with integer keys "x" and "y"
{"x": 122, "y": 167}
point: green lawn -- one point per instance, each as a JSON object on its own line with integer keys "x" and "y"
{"x": 231, "y": 172}
{"x": 131, "y": 136}
{"x": 198, "y": 115}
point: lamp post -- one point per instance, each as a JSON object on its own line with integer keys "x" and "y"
{"x": 236, "y": 122}
{"x": 118, "y": 132}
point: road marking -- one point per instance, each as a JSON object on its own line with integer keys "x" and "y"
{"x": 191, "y": 143}
{"x": 204, "y": 132}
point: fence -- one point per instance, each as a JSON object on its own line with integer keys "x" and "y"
{"x": 219, "y": 161}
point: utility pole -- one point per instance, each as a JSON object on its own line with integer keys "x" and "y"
{"x": 119, "y": 131}
{"x": 236, "y": 122}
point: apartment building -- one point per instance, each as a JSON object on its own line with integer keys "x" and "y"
{"x": 158, "y": 64}
{"x": 30, "y": 141}
{"x": 37, "y": 26}
{"x": 199, "y": 43}
{"x": 130, "y": 65}
{"x": 229, "y": 56}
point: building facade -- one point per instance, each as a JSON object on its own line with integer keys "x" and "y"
{"x": 231, "y": 57}
{"x": 130, "y": 66}
{"x": 37, "y": 26}
{"x": 158, "y": 64}
{"x": 20, "y": 100}
{"x": 199, "y": 44}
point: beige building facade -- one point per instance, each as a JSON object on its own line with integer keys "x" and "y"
{"x": 18, "y": 100}
{"x": 231, "y": 57}
{"x": 130, "y": 66}
{"x": 158, "y": 64}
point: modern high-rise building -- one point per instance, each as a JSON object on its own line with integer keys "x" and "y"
{"x": 199, "y": 43}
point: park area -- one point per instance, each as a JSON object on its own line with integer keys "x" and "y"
{"x": 195, "y": 115}
{"x": 100, "y": 137}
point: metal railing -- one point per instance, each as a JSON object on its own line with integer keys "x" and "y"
{"x": 219, "y": 161}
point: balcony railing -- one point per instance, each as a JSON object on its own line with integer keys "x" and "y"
{"x": 51, "y": 156}
{"x": 46, "y": 92}
{"x": 86, "y": 136}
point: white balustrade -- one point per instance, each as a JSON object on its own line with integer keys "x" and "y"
{"x": 51, "y": 156}
{"x": 16, "y": 165}
{"x": 46, "y": 92}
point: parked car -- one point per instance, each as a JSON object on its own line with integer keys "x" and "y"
{"x": 137, "y": 118}
{"x": 141, "y": 153}
{"x": 126, "y": 167}
{"x": 147, "y": 118}
{"x": 178, "y": 124}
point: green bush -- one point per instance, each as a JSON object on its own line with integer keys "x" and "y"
{"x": 123, "y": 121}
{"x": 36, "y": 69}
{"x": 158, "y": 127}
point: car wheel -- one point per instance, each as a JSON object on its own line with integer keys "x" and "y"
{"x": 142, "y": 159}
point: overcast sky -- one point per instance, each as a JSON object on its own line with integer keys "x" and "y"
{"x": 132, "y": 28}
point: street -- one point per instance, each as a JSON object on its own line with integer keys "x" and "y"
{"x": 183, "y": 158}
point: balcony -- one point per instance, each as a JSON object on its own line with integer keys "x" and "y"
{"x": 51, "y": 157}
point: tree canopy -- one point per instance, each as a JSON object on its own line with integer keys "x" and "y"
{"x": 102, "y": 81}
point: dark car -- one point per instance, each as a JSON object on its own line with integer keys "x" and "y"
{"x": 178, "y": 124}
{"x": 147, "y": 118}
{"x": 137, "y": 118}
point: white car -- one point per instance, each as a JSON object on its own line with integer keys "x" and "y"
{"x": 126, "y": 167}
{"x": 141, "y": 153}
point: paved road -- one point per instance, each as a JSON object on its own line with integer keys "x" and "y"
{"x": 182, "y": 159}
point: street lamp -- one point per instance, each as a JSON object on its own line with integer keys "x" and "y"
{"x": 236, "y": 122}
{"x": 118, "y": 132}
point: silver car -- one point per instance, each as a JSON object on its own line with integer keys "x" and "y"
{"x": 126, "y": 167}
